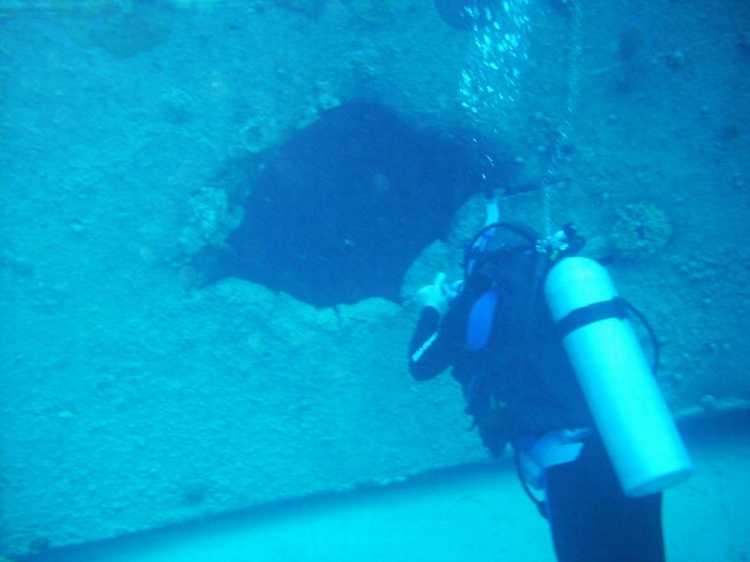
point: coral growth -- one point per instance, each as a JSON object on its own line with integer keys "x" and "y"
{"x": 640, "y": 232}
{"x": 310, "y": 8}
{"x": 210, "y": 220}
{"x": 120, "y": 28}
{"x": 373, "y": 11}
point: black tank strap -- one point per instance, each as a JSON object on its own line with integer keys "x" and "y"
{"x": 614, "y": 308}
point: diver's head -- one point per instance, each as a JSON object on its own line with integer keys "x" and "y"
{"x": 498, "y": 238}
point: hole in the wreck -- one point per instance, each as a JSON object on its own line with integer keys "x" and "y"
{"x": 348, "y": 203}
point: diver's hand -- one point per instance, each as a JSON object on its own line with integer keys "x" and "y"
{"x": 435, "y": 295}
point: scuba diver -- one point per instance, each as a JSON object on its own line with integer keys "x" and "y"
{"x": 548, "y": 363}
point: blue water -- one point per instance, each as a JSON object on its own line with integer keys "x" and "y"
{"x": 155, "y": 407}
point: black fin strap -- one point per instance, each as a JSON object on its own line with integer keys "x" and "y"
{"x": 614, "y": 308}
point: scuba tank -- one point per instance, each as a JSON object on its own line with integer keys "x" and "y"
{"x": 629, "y": 411}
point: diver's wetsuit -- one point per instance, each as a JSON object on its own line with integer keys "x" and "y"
{"x": 513, "y": 396}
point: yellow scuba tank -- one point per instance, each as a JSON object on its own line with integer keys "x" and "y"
{"x": 629, "y": 411}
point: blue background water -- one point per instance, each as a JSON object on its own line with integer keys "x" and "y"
{"x": 134, "y": 397}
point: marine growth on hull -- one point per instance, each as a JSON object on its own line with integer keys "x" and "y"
{"x": 348, "y": 203}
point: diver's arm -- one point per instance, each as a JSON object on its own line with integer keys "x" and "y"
{"x": 426, "y": 356}
{"x": 426, "y": 360}
{"x": 440, "y": 335}
{"x": 437, "y": 341}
